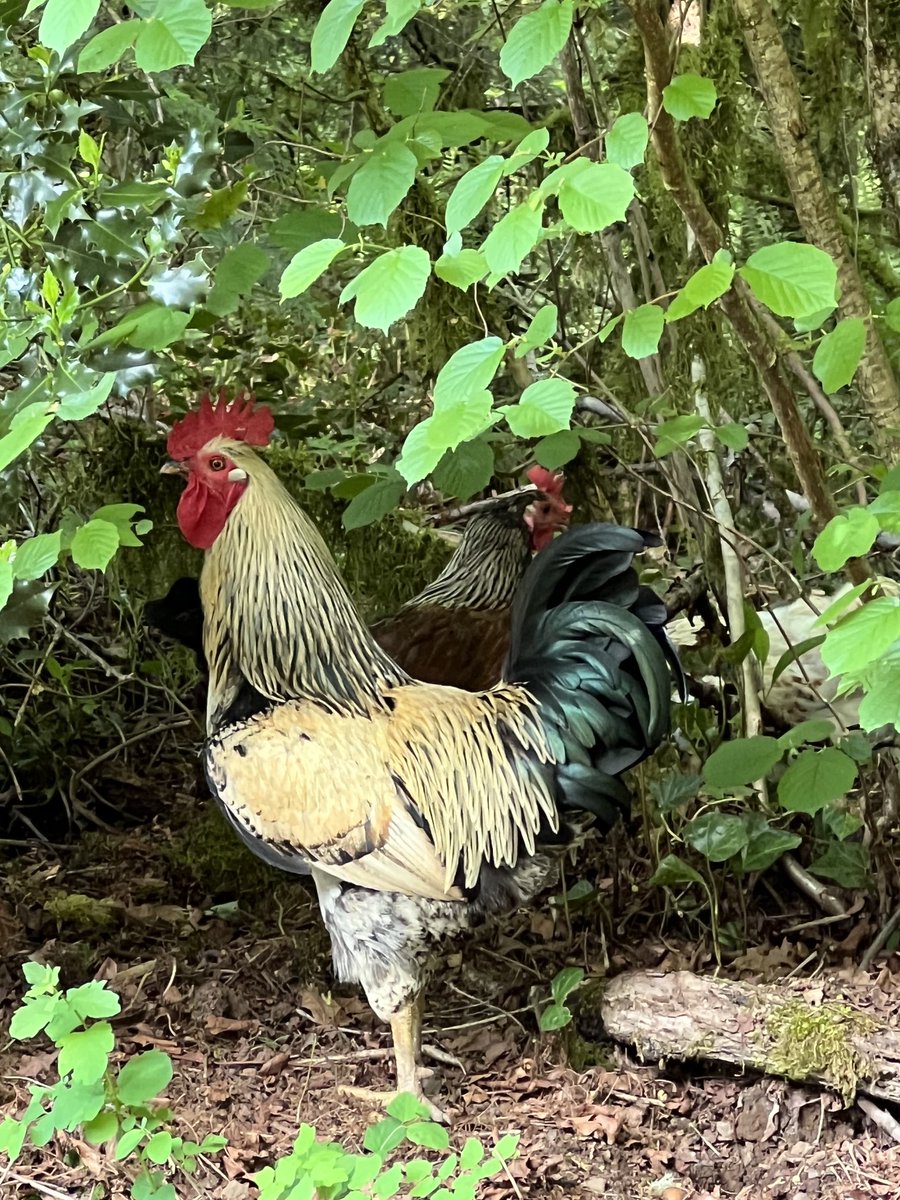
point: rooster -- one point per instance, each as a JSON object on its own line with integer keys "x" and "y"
{"x": 456, "y": 630}
{"x": 418, "y": 809}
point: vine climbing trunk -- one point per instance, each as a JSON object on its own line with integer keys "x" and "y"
{"x": 818, "y": 212}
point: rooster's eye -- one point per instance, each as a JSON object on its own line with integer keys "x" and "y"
{"x": 217, "y": 464}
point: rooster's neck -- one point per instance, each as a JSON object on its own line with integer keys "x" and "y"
{"x": 277, "y": 613}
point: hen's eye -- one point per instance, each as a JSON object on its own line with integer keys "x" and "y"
{"x": 217, "y": 464}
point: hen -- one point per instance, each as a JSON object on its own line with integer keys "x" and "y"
{"x": 418, "y": 809}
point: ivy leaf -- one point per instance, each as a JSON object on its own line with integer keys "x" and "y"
{"x": 64, "y": 21}
{"x": 308, "y": 265}
{"x": 389, "y": 287}
{"x": 717, "y": 836}
{"x": 541, "y": 329}
{"x": 545, "y": 407}
{"x": 36, "y": 556}
{"x": 863, "y": 636}
{"x": 642, "y": 330}
{"x": 792, "y": 278}
{"x": 173, "y": 40}
{"x": 565, "y": 982}
{"x": 414, "y": 91}
{"x": 847, "y": 863}
{"x": 848, "y": 535}
{"x": 816, "y": 778}
{"x": 332, "y": 32}
{"x": 557, "y": 449}
{"x": 765, "y": 845}
{"x": 94, "y": 545}
{"x": 839, "y": 352}
{"x": 382, "y": 181}
{"x": 461, "y": 270}
{"x": 673, "y": 869}
{"x": 689, "y": 95}
{"x": 626, "y": 142}
{"x": 512, "y": 238}
{"x": 464, "y": 471}
{"x": 536, "y": 39}
{"x": 375, "y": 502}
{"x": 704, "y": 286}
{"x": 596, "y": 196}
{"x": 674, "y": 433}
{"x": 468, "y": 371}
{"x": 741, "y": 761}
{"x": 472, "y": 192}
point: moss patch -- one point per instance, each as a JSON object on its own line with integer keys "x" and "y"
{"x": 819, "y": 1041}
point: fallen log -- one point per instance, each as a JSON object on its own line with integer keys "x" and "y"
{"x": 767, "y": 1028}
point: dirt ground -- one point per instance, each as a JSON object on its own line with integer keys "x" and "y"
{"x": 225, "y": 967}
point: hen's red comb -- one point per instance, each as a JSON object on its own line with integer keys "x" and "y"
{"x": 548, "y": 482}
{"x": 239, "y": 419}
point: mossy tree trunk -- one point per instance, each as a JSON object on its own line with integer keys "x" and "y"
{"x": 818, "y": 212}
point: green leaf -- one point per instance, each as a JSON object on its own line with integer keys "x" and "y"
{"x": 375, "y": 502}
{"x": 64, "y": 21}
{"x": 886, "y": 507}
{"x": 107, "y": 47}
{"x": 31, "y": 1018}
{"x": 464, "y": 471}
{"x": 540, "y": 330}
{"x": 77, "y": 1103}
{"x": 626, "y": 142}
{"x": 380, "y": 184}
{"x": 307, "y": 265}
{"x": 85, "y": 1053}
{"x": 839, "y": 353}
{"x": 765, "y": 845}
{"x": 741, "y": 761}
{"x": 21, "y": 436}
{"x": 862, "y": 636}
{"x": 596, "y": 196}
{"x": 735, "y": 437}
{"x": 240, "y": 269}
{"x": 528, "y": 149}
{"x": 672, "y": 870}
{"x": 94, "y": 545}
{"x": 848, "y": 535}
{"x": 428, "y": 1134}
{"x": 672, "y": 792}
{"x": 881, "y": 703}
{"x": 129, "y": 1141}
{"x": 545, "y": 407}
{"x": 173, "y": 40}
{"x": 704, "y": 286}
{"x": 892, "y": 315}
{"x": 148, "y": 327}
{"x": 414, "y": 91}
{"x": 818, "y": 730}
{"x": 847, "y": 863}
{"x": 332, "y": 32}
{"x": 512, "y": 238}
{"x": 716, "y": 835}
{"x": 389, "y": 287}
{"x": 689, "y": 95}
{"x": 792, "y": 278}
{"x": 462, "y": 269}
{"x": 84, "y": 404}
{"x": 672, "y": 434}
{"x": 426, "y": 445}
{"x": 385, "y": 1136}
{"x": 144, "y": 1077}
{"x": 122, "y": 516}
{"x": 471, "y": 1155}
{"x": 399, "y": 14}
{"x": 89, "y": 152}
{"x": 36, "y": 556}
{"x": 553, "y": 1017}
{"x": 536, "y": 39}
{"x": 468, "y": 371}
{"x": 816, "y": 778}
{"x": 557, "y": 449}
{"x": 101, "y": 1129}
{"x": 159, "y": 1147}
{"x": 565, "y": 982}
{"x": 642, "y": 330}
{"x": 93, "y": 1000}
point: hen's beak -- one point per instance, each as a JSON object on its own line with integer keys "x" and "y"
{"x": 173, "y": 468}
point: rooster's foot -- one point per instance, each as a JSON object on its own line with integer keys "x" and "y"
{"x": 382, "y": 1099}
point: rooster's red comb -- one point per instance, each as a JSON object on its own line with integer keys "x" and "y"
{"x": 548, "y": 482}
{"x": 239, "y": 419}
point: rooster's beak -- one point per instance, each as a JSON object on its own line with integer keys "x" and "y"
{"x": 173, "y": 468}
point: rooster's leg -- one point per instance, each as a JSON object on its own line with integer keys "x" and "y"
{"x": 406, "y": 1031}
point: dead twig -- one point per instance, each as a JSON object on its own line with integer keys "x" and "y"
{"x": 880, "y": 940}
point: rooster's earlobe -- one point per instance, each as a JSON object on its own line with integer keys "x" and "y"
{"x": 236, "y": 475}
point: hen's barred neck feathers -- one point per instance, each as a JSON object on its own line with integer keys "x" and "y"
{"x": 277, "y": 611}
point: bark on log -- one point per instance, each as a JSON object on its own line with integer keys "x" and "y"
{"x": 771, "y": 1029}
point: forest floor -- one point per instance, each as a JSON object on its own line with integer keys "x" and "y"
{"x": 225, "y": 966}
